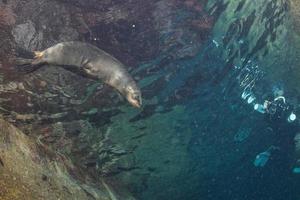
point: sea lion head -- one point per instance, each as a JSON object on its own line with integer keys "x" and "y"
{"x": 134, "y": 95}
{"x": 127, "y": 87}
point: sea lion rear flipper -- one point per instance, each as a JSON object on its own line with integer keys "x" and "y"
{"x": 23, "y": 61}
{"x": 38, "y": 55}
{"x": 25, "y": 65}
{"x": 27, "y": 68}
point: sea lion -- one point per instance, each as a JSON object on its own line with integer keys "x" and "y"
{"x": 89, "y": 61}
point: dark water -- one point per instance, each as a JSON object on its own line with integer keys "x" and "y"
{"x": 202, "y": 67}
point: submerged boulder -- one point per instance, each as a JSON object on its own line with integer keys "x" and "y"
{"x": 26, "y": 172}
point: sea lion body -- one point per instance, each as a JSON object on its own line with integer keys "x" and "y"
{"x": 90, "y": 61}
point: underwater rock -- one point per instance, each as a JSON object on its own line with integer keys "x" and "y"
{"x": 26, "y": 36}
{"x": 7, "y": 15}
{"x": 68, "y": 34}
{"x": 27, "y": 172}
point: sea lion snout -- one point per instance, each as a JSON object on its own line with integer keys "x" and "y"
{"x": 134, "y": 97}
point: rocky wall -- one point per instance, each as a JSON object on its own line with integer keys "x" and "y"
{"x": 28, "y": 172}
{"x": 87, "y": 121}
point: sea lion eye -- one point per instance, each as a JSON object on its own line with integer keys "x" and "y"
{"x": 130, "y": 90}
